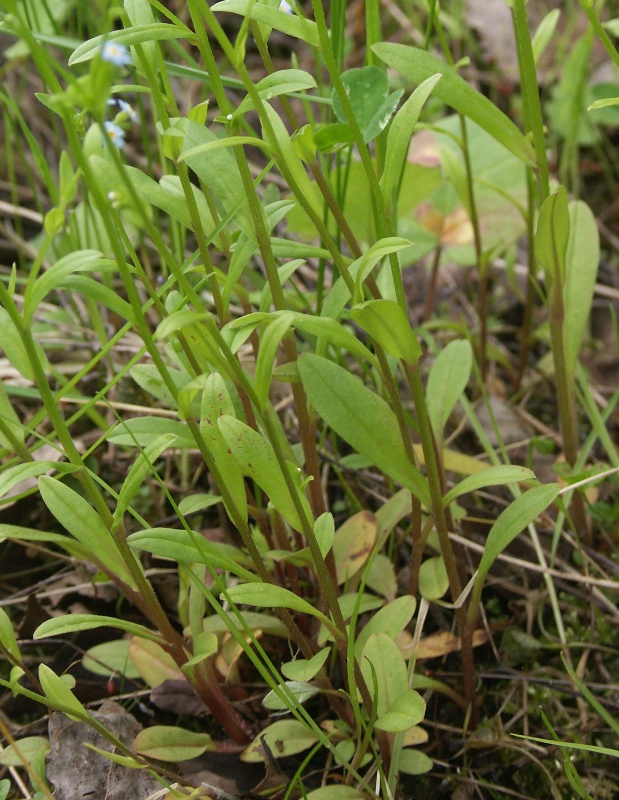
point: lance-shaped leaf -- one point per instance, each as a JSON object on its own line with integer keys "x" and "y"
{"x": 419, "y": 65}
{"x": 387, "y": 324}
{"x": 551, "y": 236}
{"x": 361, "y": 418}
{"x": 257, "y": 460}
{"x": 448, "y": 379}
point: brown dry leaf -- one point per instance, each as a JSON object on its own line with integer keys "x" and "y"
{"x": 444, "y": 642}
{"x": 179, "y": 697}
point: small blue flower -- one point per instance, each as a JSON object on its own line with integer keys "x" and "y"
{"x": 125, "y": 108}
{"x": 116, "y": 134}
{"x": 286, "y": 7}
{"x": 116, "y": 54}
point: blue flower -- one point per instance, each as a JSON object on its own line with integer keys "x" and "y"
{"x": 116, "y": 134}
{"x": 286, "y": 7}
{"x": 125, "y": 108}
{"x": 116, "y": 54}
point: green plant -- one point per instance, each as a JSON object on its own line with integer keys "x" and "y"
{"x": 226, "y": 326}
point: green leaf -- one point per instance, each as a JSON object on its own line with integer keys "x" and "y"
{"x": 284, "y": 81}
{"x": 154, "y": 664}
{"x": 267, "y": 595}
{"x": 141, "y": 431}
{"x": 269, "y": 343}
{"x": 14, "y": 350}
{"x": 300, "y": 690}
{"x": 82, "y": 521}
{"x": 433, "y": 580}
{"x": 353, "y": 544}
{"x": 389, "y": 327}
{"x": 302, "y": 669}
{"x": 10, "y": 421}
{"x": 414, "y": 762}
{"x": 448, "y": 378}
{"x": 337, "y": 792}
{"x": 59, "y": 694}
{"x": 333, "y": 332}
{"x": 140, "y": 14}
{"x": 290, "y": 24}
{"x": 139, "y": 34}
{"x": 361, "y": 418}
{"x": 79, "y": 261}
{"x": 189, "y": 547}
{"x": 367, "y": 89}
{"x": 168, "y": 743}
{"x": 511, "y": 522}
{"x": 324, "y": 531}
{"x": 95, "y": 290}
{"x": 407, "y": 710}
{"x": 28, "y": 748}
{"x": 60, "y": 626}
{"x": 552, "y": 236}
{"x": 544, "y": 33}
{"x": 257, "y": 460}
{"x": 23, "y": 473}
{"x": 418, "y": 65}
{"x": 283, "y": 738}
{"x": 492, "y": 476}
{"x": 400, "y": 133}
{"x": 7, "y": 636}
{"x": 384, "y": 670}
{"x": 5, "y": 784}
{"x": 390, "y": 620}
{"x": 216, "y": 402}
{"x": 581, "y": 268}
{"x": 198, "y": 502}
{"x": 143, "y": 465}
{"x": 110, "y": 658}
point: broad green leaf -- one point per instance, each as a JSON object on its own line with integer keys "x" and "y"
{"x": 299, "y": 689}
{"x": 5, "y": 784}
{"x": 198, "y": 502}
{"x": 551, "y": 237}
{"x": 390, "y": 620}
{"x": 333, "y": 332}
{"x": 581, "y": 268}
{"x": 283, "y": 81}
{"x": 433, "y": 580}
{"x": 414, "y": 762}
{"x": 492, "y": 476}
{"x": 381, "y": 577}
{"x": 14, "y": 349}
{"x": 143, "y": 466}
{"x": 22, "y": 473}
{"x": 544, "y": 33}
{"x": 10, "y": 421}
{"x": 140, "y": 13}
{"x": 110, "y": 658}
{"x": 302, "y": 669}
{"x": 419, "y": 65}
{"x": 399, "y": 136}
{"x": 290, "y": 24}
{"x": 168, "y": 743}
{"x": 257, "y": 460}
{"x": 60, "y": 626}
{"x": 95, "y": 290}
{"x": 139, "y": 34}
{"x": 148, "y": 377}
{"x": 152, "y": 662}
{"x": 28, "y": 747}
{"x": 407, "y": 710}
{"x": 252, "y": 620}
{"x": 288, "y": 159}
{"x": 30, "y": 535}
{"x": 337, "y": 792}
{"x": 79, "y": 261}
{"x": 190, "y": 547}
{"x": 353, "y": 544}
{"x": 515, "y": 518}
{"x": 448, "y": 378}
{"x": 267, "y": 595}
{"x": 384, "y": 671}
{"x": 224, "y": 141}
{"x": 367, "y": 89}
{"x": 286, "y": 737}
{"x": 7, "y": 636}
{"x": 389, "y": 327}
{"x": 269, "y": 343}
{"x": 59, "y": 694}
{"x": 324, "y": 531}
{"x": 141, "y": 431}
{"x": 216, "y": 402}
{"x": 82, "y": 521}
{"x": 361, "y": 418}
